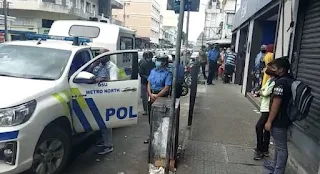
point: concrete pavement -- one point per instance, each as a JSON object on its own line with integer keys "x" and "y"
{"x": 222, "y": 135}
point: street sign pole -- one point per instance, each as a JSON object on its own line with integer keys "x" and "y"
{"x": 5, "y": 10}
{"x": 175, "y": 72}
{"x": 187, "y": 38}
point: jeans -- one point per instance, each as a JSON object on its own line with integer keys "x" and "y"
{"x": 281, "y": 150}
{"x": 107, "y": 137}
{"x": 263, "y": 136}
{"x": 144, "y": 96}
{"x": 212, "y": 71}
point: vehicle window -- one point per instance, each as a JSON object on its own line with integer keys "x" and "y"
{"x": 126, "y": 43}
{"x": 84, "y": 31}
{"x": 32, "y": 62}
{"x": 113, "y": 68}
{"x": 80, "y": 59}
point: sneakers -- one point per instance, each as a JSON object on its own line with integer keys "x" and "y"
{"x": 266, "y": 154}
{"x": 104, "y": 150}
{"x": 145, "y": 113}
{"x": 100, "y": 144}
{"x": 258, "y": 155}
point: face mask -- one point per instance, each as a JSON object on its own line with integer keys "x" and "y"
{"x": 148, "y": 59}
{"x": 263, "y": 51}
{"x": 158, "y": 64}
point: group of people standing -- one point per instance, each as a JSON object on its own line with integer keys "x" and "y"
{"x": 156, "y": 80}
{"x": 224, "y": 59}
{"x": 274, "y": 120}
{"x": 262, "y": 59}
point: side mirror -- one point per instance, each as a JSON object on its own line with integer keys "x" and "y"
{"x": 85, "y": 77}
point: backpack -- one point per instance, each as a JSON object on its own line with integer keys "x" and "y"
{"x": 300, "y": 102}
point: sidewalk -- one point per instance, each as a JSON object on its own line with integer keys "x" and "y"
{"x": 222, "y": 136}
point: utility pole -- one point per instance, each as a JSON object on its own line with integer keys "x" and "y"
{"x": 187, "y": 34}
{"x": 175, "y": 73}
{"x": 124, "y": 13}
{"x": 204, "y": 28}
{"x": 5, "y": 11}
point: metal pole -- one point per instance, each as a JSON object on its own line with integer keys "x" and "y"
{"x": 124, "y": 14}
{"x": 186, "y": 42}
{"x": 5, "y": 10}
{"x": 175, "y": 72}
{"x": 204, "y": 27}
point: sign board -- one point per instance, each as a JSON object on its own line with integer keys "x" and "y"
{"x": 247, "y": 9}
{"x": 191, "y": 5}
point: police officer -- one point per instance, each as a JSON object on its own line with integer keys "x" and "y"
{"x": 159, "y": 82}
{"x": 180, "y": 75}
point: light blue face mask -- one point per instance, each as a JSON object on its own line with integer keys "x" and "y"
{"x": 158, "y": 64}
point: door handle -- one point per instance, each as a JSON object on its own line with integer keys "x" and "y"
{"x": 128, "y": 89}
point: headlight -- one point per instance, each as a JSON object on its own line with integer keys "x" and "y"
{"x": 17, "y": 115}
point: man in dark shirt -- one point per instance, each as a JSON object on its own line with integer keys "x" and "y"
{"x": 145, "y": 67}
{"x": 278, "y": 121}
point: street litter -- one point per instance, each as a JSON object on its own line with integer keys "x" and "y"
{"x": 155, "y": 170}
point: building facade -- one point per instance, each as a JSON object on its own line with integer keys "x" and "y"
{"x": 218, "y": 20}
{"x": 142, "y": 16}
{"x": 295, "y": 34}
{"x": 38, "y": 15}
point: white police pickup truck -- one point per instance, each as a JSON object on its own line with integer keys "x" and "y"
{"x": 48, "y": 95}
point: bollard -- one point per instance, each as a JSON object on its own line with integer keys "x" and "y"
{"x": 163, "y": 144}
{"x": 193, "y": 91}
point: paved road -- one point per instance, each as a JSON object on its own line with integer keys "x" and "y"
{"x": 129, "y": 155}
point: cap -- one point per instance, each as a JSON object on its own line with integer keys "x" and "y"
{"x": 263, "y": 47}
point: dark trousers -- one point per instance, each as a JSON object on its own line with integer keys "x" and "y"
{"x": 203, "y": 69}
{"x": 212, "y": 71}
{"x": 263, "y": 136}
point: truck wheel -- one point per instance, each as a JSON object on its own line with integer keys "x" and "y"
{"x": 52, "y": 152}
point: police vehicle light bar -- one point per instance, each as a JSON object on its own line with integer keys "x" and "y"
{"x": 75, "y": 40}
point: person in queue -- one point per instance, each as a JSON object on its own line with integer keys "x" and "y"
{"x": 213, "y": 57}
{"x": 203, "y": 60}
{"x": 105, "y": 70}
{"x": 159, "y": 82}
{"x": 278, "y": 122}
{"x": 230, "y": 64}
{"x": 180, "y": 75}
{"x": 145, "y": 67}
{"x": 263, "y": 136}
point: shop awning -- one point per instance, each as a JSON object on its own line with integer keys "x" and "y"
{"x": 220, "y": 41}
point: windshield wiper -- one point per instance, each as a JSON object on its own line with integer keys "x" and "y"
{"x": 41, "y": 78}
{"x": 8, "y": 75}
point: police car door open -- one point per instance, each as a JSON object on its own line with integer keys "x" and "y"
{"x": 105, "y": 94}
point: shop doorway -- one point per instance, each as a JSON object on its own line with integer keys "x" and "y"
{"x": 264, "y": 33}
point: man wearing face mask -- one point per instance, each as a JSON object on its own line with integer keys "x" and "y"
{"x": 145, "y": 67}
{"x": 105, "y": 70}
{"x": 278, "y": 121}
{"x": 159, "y": 82}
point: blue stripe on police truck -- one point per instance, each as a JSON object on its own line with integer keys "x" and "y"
{"x": 9, "y": 135}
{"x": 82, "y": 118}
{"x": 96, "y": 114}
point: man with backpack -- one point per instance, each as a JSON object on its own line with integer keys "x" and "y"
{"x": 278, "y": 120}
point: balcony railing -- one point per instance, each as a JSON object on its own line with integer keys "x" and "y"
{"x": 54, "y": 6}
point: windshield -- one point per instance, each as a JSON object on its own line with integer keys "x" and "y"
{"x": 32, "y": 62}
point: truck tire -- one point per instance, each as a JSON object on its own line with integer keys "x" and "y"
{"x": 52, "y": 151}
